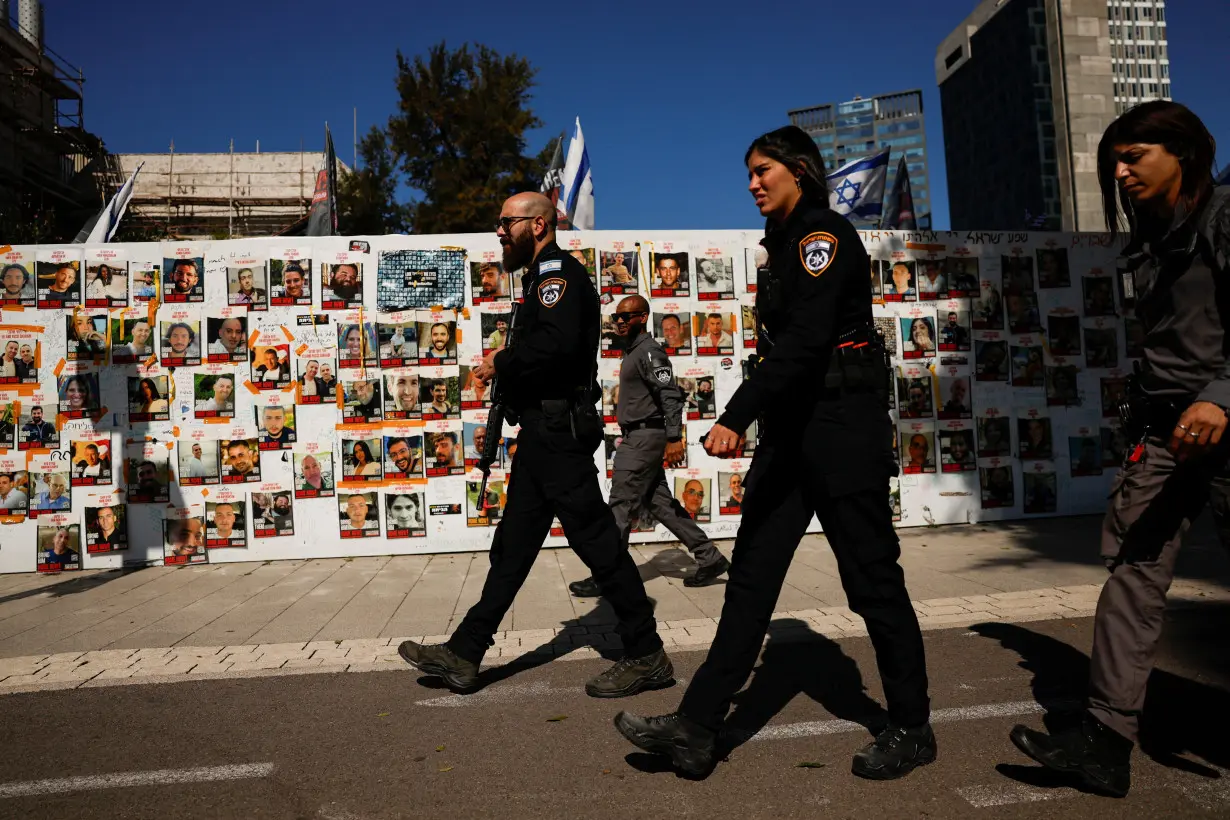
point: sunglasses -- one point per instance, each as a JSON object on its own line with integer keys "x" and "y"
{"x": 626, "y": 316}
{"x": 506, "y": 222}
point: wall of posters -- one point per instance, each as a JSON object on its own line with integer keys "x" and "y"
{"x": 251, "y": 400}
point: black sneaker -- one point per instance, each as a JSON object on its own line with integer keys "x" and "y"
{"x": 631, "y": 675}
{"x": 1097, "y": 755}
{"x": 587, "y": 588}
{"x": 706, "y": 575}
{"x": 688, "y": 745}
{"x": 895, "y": 753}
{"x": 437, "y": 659}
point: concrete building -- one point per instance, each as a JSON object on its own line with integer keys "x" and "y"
{"x": 199, "y": 196}
{"x": 1026, "y": 91}
{"x": 1139, "y": 58}
{"x": 854, "y": 129}
{"x": 44, "y": 147}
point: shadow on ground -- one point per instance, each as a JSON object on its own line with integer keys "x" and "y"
{"x": 71, "y": 584}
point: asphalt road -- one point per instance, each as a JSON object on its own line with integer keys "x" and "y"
{"x": 531, "y": 744}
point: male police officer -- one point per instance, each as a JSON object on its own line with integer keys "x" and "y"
{"x": 650, "y": 416}
{"x": 547, "y": 380}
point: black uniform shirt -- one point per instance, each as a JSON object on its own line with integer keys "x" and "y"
{"x": 817, "y": 286}
{"x": 556, "y": 343}
{"x": 1182, "y": 303}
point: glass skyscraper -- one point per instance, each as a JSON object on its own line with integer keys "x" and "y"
{"x": 851, "y": 130}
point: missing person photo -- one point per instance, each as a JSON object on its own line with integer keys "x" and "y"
{"x": 91, "y": 462}
{"x": 1040, "y": 490}
{"x": 715, "y": 277}
{"x": 489, "y": 282}
{"x": 357, "y": 345}
{"x": 149, "y": 398}
{"x": 290, "y": 282}
{"x": 494, "y": 329}
{"x": 898, "y": 280}
{"x": 225, "y": 524}
{"x": 444, "y": 453}
{"x": 180, "y": 343}
{"x": 1061, "y": 389}
{"x": 1085, "y": 455}
{"x": 132, "y": 341}
{"x": 358, "y": 515}
{"x": 1101, "y": 347}
{"x": 86, "y": 337}
{"x": 988, "y": 308}
{"x": 437, "y": 343}
{"x": 341, "y": 286}
{"x": 669, "y": 275}
{"x": 1022, "y": 310}
{"x": 674, "y": 332}
{"x": 227, "y": 339}
{"x": 183, "y": 541}
{"x": 20, "y": 355}
{"x": 1017, "y": 274}
{"x": 955, "y": 397}
{"x": 403, "y": 456}
{"x": 106, "y": 528}
{"x": 184, "y": 280}
{"x": 241, "y": 461}
{"x": 276, "y": 426}
{"x": 917, "y": 337}
{"x": 990, "y": 360}
{"x": 1099, "y": 295}
{"x": 35, "y": 426}
{"x": 79, "y": 395}
{"x": 246, "y": 286}
{"x": 361, "y": 400}
{"x": 932, "y": 284}
{"x": 440, "y": 398}
{"x": 1034, "y": 435}
{"x": 399, "y": 344}
{"x": 962, "y": 273}
{"x": 213, "y": 395}
{"x": 994, "y": 437}
{"x": 474, "y": 439}
{"x": 919, "y": 450}
{"x": 955, "y": 330}
{"x": 49, "y": 491}
{"x": 714, "y": 333}
{"x": 198, "y": 462}
{"x": 361, "y": 459}
{"x": 914, "y": 396}
{"x": 1053, "y": 268}
{"x": 957, "y": 451}
{"x": 1064, "y": 334}
{"x": 315, "y": 384}
{"x": 17, "y": 285}
{"x": 730, "y": 493}
{"x": 401, "y": 396}
{"x": 273, "y": 514}
{"x": 58, "y": 284}
{"x": 404, "y": 514}
{"x": 1028, "y": 369}
{"x": 486, "y": 511}
{"x": 270, "y": 366}
{"x": 15, "y": 492}
{"x": 695, "y": 495}
{"x": 996, "y": 487}
{"x": 145, "y": 281}
{"x": 59, "y": 547}
{"x": 619, "y": 271}
{"x": 313, "y": 474}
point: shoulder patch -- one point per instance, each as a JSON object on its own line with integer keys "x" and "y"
{"x": 662, "y": 375}
{"x": 551, "y": 291}
{"x": 550, "y": 266}
{"x": 817, "y": 251}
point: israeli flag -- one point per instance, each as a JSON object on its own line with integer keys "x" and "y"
{"x": 857, "y": 188}
{"x": 576, "y": 196}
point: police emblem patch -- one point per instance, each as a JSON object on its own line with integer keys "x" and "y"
{"x": 662, "y": 374}
{"x": 550, "y": 292}
{"x": 817, "y": 251}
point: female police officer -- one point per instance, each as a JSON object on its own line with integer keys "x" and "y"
{"x": 1155, "y": 162}
{"x": 820, "y": 391}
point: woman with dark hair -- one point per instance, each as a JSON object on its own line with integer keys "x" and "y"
{"x": 100, "y": 287}
{"x": 147, "y": 398}
{"x": 819, "y": 388}
{"x": 77, "y": 395}
{"x": 1155, "y": 165}
{"x": 363, "y": 462}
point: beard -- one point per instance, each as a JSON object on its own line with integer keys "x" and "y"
{"x": 519, "y": 251}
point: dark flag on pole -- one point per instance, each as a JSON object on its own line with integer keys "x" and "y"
{"x": 899, "y": 210}
{"x": 322, "y": 217}
{"x": 553, "y": 180}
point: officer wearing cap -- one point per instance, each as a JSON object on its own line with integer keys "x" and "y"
{"x": 548, "y": 382}
{"x": 1155, "y": 164}
{"x": 820, "y": 390}
{"x": 650, "y": 415}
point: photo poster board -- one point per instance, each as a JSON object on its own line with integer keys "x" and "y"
{"x": 1039, "y": 335}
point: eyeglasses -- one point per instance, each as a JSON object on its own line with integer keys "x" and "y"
{"x": 626, "y": 316}
{"x": 505, "y": 222}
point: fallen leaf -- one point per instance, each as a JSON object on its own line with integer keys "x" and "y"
{"x": 383, "y": 714}
{"x": 557, "y": 718}
{"x": 420, "y": 758}
{"x": 446, "y": 768}
{"x": 810, "y": 764}
{"x": 440, "y": 748}
{"x": 606, "y": 771}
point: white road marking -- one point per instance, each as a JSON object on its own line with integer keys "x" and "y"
{"x": 988, "y": 710}
{"x": 161, "y": 777}
{"x": 504, "y": 693}
{"x": 1007, "y": 794}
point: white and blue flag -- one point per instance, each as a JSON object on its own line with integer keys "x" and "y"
{"x": 857, "y": 188}
{"x": 576, "y": 196}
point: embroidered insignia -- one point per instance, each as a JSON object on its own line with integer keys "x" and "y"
{"x": 550, "y": 267}
{"x": 817, "y": 251}
{"x": 551, "y": 291}
{"x": 662, "y": 374}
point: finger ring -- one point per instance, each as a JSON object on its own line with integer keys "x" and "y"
{"x": 1183, "y": 427}
{"x": 1194, "y": 434}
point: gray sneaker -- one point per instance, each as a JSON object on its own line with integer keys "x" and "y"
{"x": 439, "y": 660}
{"x": 632, "y": 675}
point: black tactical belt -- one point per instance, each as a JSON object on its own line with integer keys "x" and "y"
{"x": 650, "y": 424}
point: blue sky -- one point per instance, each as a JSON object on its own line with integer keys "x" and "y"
{"x": 669, "y": 94}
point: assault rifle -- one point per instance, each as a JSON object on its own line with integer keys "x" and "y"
{"x": 495, "y": 420}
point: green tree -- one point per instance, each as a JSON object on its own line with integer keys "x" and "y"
{"x": 367, "y": 197}
{"x": 459, "y": 135}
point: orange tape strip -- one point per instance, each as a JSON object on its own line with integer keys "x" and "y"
{"x": 59, "y": 368}
{"x": 290, "y": 337}
{"x": 253, "y": 389}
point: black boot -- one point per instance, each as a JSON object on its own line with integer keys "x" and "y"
{"x": 587, "y": 588}
{"x": 1098, "y": 755}
{"x": 895, "y": 753}
{"x": 629, "y": 676}
{"x": 688, "y": 745}
{"x": 437, "y": 659}
{"x": 706, "y": 575}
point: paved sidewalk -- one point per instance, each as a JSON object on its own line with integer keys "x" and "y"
{"x": 329, "y": 615}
